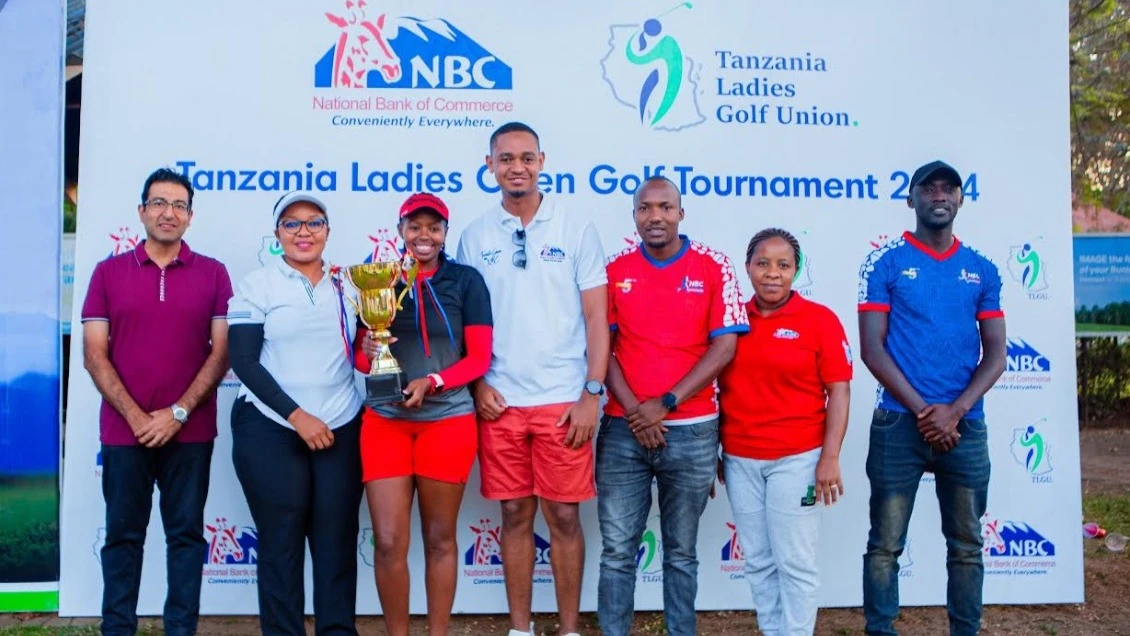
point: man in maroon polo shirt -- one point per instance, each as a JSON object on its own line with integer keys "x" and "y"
{"x": 155, "y": 344}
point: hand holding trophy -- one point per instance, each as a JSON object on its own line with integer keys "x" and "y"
{"x": 377, "y": 306}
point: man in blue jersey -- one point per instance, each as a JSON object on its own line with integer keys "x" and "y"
{"x": 928, "y": 307}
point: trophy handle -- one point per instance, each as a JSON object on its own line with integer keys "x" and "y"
{"x": 356, "y": 307}
{"x": 410, "y": 274}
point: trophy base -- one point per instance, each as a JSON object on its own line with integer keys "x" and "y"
{"x": 386, "y": 388}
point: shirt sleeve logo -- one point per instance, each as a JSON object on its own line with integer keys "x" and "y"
{"x": 847, "y": 352}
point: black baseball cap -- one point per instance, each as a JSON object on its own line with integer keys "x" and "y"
{"x": 933, "y": 170}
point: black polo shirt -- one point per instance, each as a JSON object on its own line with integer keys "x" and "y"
{"x": 462, "y": 295}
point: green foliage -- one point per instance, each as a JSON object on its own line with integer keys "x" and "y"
{"x": 1109, "y": 511}
{"x": 1100, "y": 102}
{"x": 1103, "y": 378}
{"x": 29, "y": 529}
{"x": 1114, "y": 314}
{"x": 70, "y": 213}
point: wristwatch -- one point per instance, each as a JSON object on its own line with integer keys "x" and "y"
{"x": 594, "y": 387}
{"x": 437, "y": 381}
{"x": 179, "y": 413}
{"x": 669, "y": 401}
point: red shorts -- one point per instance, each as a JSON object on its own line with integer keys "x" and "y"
{"x": 443, "y": 450}
{"x": 523, "y": 453}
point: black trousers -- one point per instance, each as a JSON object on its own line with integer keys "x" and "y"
{"x": 298, "y": 495}
{"x": 181, "y": 473}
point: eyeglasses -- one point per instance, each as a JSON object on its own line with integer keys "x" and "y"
{"x": 160, "y": 205}
{"x": 519, "y": 239}
{"x": 292, "y": 226}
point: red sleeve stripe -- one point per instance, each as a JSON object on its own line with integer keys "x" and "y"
{"x": 883, "y": 307}
{"x": 988, "y": 315}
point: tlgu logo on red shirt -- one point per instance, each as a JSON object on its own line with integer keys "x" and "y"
{"x": 692, "y": 286}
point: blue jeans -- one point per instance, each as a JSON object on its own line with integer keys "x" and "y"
{"x": 895, "y": 463}
{"x": 685, "y": 470}
{"x": 181, "y": 472}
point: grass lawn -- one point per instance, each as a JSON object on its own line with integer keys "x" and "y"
{"x": 1090, "y": 327}
{"x": 29, "y": 529}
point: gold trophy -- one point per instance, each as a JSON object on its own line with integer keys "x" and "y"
{"x": 377, "y": 306}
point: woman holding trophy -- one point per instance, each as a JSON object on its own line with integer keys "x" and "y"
{"x": 423, "y": 443}
{"x": 296, "y": 423}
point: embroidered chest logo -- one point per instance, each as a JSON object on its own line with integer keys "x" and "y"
{"x": 691, "y": 286}
{"x": 973, "y": 278}
{"x": 552, "y": 254}
{"x": 785, "y": 334}
{"x": 490, "y": 257}
{"x": 910, "y": 272}
{"x": 625, "y": 285}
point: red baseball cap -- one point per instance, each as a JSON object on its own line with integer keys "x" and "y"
{"x": 424, "y": 201}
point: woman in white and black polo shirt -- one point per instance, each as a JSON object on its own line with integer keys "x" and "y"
{"x": 296, "y": 423}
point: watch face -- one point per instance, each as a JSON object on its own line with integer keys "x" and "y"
{"x": 594, "y": 387}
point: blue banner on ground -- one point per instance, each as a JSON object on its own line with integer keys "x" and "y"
{"x": 31, "y": 125}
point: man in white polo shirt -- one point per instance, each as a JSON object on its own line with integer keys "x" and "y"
{"x": 538, "y": 403}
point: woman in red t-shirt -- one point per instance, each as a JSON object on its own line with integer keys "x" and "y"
{"x": 784, "y": 412}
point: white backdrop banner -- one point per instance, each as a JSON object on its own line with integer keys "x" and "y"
{"x": 764, "y": 113}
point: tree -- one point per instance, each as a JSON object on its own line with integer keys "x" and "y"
{"x": 1100, "y": 102}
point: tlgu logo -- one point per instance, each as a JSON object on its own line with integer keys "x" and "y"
{"x": 365, "y": 546}
{"x": 802, "y": 279}
{"x": 231, "y": 544}
{"x": 124, "y": 240}
{"x": 1031, "y": 450}
{"x": 649, "y": 556}
{"x": 269, "y": 250}
{"x": 370, "y": 52}
{"x": 648, "y": 72}
{"x": 906, "y": 562}
{"x": 1013, "y": 539}
{"x": 1026, "y": 266}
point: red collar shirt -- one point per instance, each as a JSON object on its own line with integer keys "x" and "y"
{"x": 772, "y": 393}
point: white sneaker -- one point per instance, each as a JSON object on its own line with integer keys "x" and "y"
{"x": 515, "y": 632}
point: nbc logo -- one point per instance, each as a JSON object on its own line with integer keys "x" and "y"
{"x": 377, "y": 50}
{"x": 733, "y": 561}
